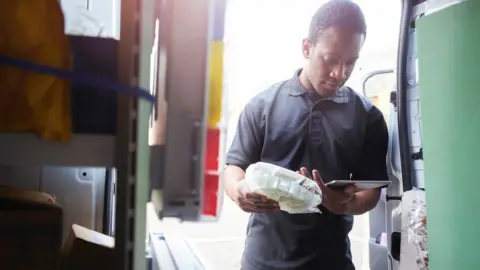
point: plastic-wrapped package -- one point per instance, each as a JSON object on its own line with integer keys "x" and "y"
{"x": 294, "y": 192}
{"x": 417, "y": 229}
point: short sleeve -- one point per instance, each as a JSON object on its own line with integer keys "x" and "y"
{"x": 247, "y": 143}
{"x": 373, "y": 158}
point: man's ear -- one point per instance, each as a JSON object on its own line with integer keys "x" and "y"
{"x": 306, "y": 48}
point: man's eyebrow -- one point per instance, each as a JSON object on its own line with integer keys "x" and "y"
{"x": 335, "y": 54}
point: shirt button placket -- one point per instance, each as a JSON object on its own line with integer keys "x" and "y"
{"x": 316, "y": 132}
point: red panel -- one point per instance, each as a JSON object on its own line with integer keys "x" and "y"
{"x": 210, "y": 192}
{"x": 212, "y": 149}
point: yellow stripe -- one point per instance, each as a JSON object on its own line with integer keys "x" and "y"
{"x": 216, "y": 84}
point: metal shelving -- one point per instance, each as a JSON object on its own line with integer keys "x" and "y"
{"x": 127, "y": 151}
{"x": 132, "y": 151}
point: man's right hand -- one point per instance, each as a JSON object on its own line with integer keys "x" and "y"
{"x": 252, "y": 202}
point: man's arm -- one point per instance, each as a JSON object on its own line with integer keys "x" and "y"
{"x": 246, "y": 146}
{"x": 372, "y": 164}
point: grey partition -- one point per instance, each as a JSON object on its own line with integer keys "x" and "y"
{"x": 79, "y": 190}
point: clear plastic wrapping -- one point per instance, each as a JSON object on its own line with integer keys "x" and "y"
{"x": 417, "y": 229}
{"x": 294, "y": 192}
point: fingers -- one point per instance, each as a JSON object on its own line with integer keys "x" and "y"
{"x": 252, "y": 208}
{"x": 253, "y": 202}
{"x": 260, "y": 200}
{"x": 338, "y": 197}
{"x": 316, "y": 175}
{"x": 255, "y": 197}
{"x": 350, "y": 190}
{"x": 317, "y": 178}
{"x": 304, "y": 172}
{"x": 257, "y": 203}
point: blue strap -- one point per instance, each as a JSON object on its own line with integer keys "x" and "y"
{"x": 84, "y": 79}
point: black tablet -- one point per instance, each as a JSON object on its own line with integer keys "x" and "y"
{"x": 361, "y": 185}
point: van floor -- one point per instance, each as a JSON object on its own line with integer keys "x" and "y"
{"x": 221, "y": 243}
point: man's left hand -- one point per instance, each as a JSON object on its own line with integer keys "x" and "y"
{"x": 335, "y": 200}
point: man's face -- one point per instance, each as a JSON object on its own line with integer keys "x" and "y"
{"x": 331, "y": 59}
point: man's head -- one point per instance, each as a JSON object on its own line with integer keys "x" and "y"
{"x": 336, "y": 35}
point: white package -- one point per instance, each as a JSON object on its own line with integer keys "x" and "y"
{"x": 414, "y": 242}
{"x": 294, "y": 192}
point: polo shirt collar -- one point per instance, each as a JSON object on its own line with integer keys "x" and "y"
{"x": 296, "y": 89}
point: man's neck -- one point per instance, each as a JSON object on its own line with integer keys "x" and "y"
{"x": 302, "y": 77}
{"x": 305, "y": 82}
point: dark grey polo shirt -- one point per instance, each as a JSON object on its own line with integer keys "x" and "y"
{"x": 343, "y": 137}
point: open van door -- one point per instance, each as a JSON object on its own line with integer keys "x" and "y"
{"x": 379, "y": 88}
{"x": 186, "y": 138}
{"x": 187, "y": 134}
{"x": 405, "y": 156}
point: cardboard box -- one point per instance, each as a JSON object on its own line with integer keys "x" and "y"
{"x": 30, "y": 230}
{"x": 87, "y": 249}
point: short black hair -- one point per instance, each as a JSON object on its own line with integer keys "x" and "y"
{"x": 343, "y": 14}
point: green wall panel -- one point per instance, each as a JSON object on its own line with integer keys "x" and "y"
{"x": 449, "y": 73}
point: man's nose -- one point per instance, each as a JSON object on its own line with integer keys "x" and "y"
{"x": 339, "y": 72}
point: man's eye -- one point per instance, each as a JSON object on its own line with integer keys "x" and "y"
{"x": 330, "y": 61}
{"x": 350, "y": 63}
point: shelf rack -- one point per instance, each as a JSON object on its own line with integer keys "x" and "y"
{"x": 127, "y": 151}
{"x": 132, "y": 151}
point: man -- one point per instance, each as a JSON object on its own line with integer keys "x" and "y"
{"x": 311, "y": 123}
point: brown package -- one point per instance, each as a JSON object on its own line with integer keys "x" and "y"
{"x": 30, "y": 230}
{"x": 87, "y": 249}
